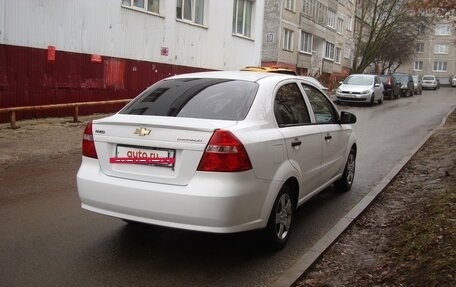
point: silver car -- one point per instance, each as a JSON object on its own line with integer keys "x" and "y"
{"x": 429, "y": 82}
{"x": 360, "y": 88}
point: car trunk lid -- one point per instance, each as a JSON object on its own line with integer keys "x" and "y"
{"x": 180, "y": 140}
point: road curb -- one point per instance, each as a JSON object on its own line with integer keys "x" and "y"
{"x": 308, "y": 259}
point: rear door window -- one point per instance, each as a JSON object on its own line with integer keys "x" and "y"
{"x": 219, "y": 99}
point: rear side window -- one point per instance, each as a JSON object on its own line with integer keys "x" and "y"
{"x": 218, "y": 99}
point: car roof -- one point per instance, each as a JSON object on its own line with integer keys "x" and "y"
{"x": 364, "y": 75}
{"x": 269, "y": 70}
{"x": 247, "y": 76}
{"x": 232, "y": 75}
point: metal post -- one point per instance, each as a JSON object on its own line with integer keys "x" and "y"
{"x": 76, "y": 114}
{"x": 13, "y": 120}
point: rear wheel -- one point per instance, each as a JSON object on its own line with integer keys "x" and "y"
{"x": 281, "y": 219}
{"x": 346, "y": 181}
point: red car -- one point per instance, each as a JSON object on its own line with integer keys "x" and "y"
{"x": 390, "y": 89}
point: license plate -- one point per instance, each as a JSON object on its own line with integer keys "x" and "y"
{"x": 142, "y": 155}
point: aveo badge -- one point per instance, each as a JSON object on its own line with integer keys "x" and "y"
{"x": 142, "y": 132}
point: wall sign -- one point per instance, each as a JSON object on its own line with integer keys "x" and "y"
{"x": 164, "y": 51}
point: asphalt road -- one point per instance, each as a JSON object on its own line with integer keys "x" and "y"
{"x": 46, "y": 239}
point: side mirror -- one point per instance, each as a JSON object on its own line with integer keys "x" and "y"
{"x": 347, "y": 118}
{"x": 376, "y": 85}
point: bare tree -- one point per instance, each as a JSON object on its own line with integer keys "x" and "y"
{"x": 385, "y": 33}
{"x": 445, "y": 8}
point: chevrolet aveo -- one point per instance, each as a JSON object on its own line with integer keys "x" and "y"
{"x": 218, "y": 152}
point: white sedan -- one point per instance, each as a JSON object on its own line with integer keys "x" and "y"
{"x": 218, "y": 152}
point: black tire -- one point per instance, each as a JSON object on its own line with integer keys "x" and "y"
{"x": 380, "y": 101}
{"x": 345, "y": 183}
{"x": 281, "y": 219}
{"x": 372, "y": 100}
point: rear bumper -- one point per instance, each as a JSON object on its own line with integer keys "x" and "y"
{"x": 429, "y": 86}
{"x": 238, "y": 203}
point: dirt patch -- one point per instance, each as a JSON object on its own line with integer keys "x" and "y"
{"x": 407, "y": 237}
{"x": 39, "y": 140}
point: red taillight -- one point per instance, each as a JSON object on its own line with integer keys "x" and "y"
{"x": 389, "y": 81}
{"x": 88, "y": 145}
{"x": 224, "y": 152}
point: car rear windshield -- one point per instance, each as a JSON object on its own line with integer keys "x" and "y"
{"x": 360, "y": 80}
{"x": 428, "y": 78}
{"x": 385, "y": 79}
{"x": 402, "y": 78}
{"x": 204, "y": 98}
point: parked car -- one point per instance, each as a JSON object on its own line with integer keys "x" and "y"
{"x": 430, "y": 82}
{"x": 390, "y": 89}
{"x": 405, "y": 82}
{"x": 218, "y": 152}
{"x": 360, "y": 88}
{"x": 453, "y": 81}
{"x": 417, "y": 84}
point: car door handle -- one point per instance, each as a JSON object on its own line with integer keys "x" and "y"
{"x": 295, "y": 143}
{"x": 328, "y": 137}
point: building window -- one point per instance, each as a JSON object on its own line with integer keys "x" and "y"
{"x": 440, "y": 67}
{"x": 287, "y": 43}
{"x": 421, "y": 29}
{"x": 347, "y": 51}
{"x": 146, "y": 5}
{"x": 418, "y": 66}
{"x": 349, "y": 24}
{"x": 191, "y": 11}
{"x": 290, "y": 5}
{"x": 331, "y": 19}
{"x": 329, "y": 52}
{"x": 306, "y": 42}
{"x": 316, "y": 10}
{"x": 242, "y": 17}
{"x": 321, "y": 11}
{"x": 442, "y": 29}
{"x": 337, "y": 55}
{"x": 419, "y": 47}
{"x": 340, "y": 25}
{"x": 441, "y": 49}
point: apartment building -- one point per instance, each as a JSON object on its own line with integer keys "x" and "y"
{"x": 435, "y": 52}
{"x": 312, "y": 37}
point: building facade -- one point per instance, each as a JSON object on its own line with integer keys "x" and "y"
{"x": 435, "y": 53}
{"x": 312, "y": 37}
{"x": 81, "y": 50}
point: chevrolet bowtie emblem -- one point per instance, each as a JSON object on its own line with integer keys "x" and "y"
{"x": 142, "y": 132}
